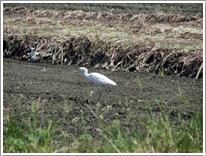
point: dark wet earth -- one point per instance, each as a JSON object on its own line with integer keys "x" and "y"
{"x": 64, "y": 94}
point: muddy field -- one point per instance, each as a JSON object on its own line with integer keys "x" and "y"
{"x": 63, "y": 93}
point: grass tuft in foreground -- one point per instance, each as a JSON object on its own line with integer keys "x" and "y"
{"x": 159, "y": 133}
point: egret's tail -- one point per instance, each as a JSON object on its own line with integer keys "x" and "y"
{"x": 113, "y": 83}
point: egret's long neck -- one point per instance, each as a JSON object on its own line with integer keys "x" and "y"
{"x": 85, "y": 73}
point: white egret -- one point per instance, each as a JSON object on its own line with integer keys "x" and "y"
{"x": 97, "y": 78}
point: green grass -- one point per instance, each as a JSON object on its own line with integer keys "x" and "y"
{"x": 139, "y": 81}
{"x": 158, "y": 133}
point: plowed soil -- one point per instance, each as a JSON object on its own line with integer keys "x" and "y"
{"x": 64, "y": 93}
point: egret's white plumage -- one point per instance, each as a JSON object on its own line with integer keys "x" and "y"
{"x": 97, "y": 78}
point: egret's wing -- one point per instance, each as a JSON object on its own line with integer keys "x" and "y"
{"x": 96, "y": 78}
{"x": 100, "y": 79}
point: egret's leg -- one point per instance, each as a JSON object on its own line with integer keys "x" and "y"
{"x": 108, "y": 90}
{"x": 100, "y": 94}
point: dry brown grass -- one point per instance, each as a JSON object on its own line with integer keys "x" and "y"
{"x": 156, "y": 43}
